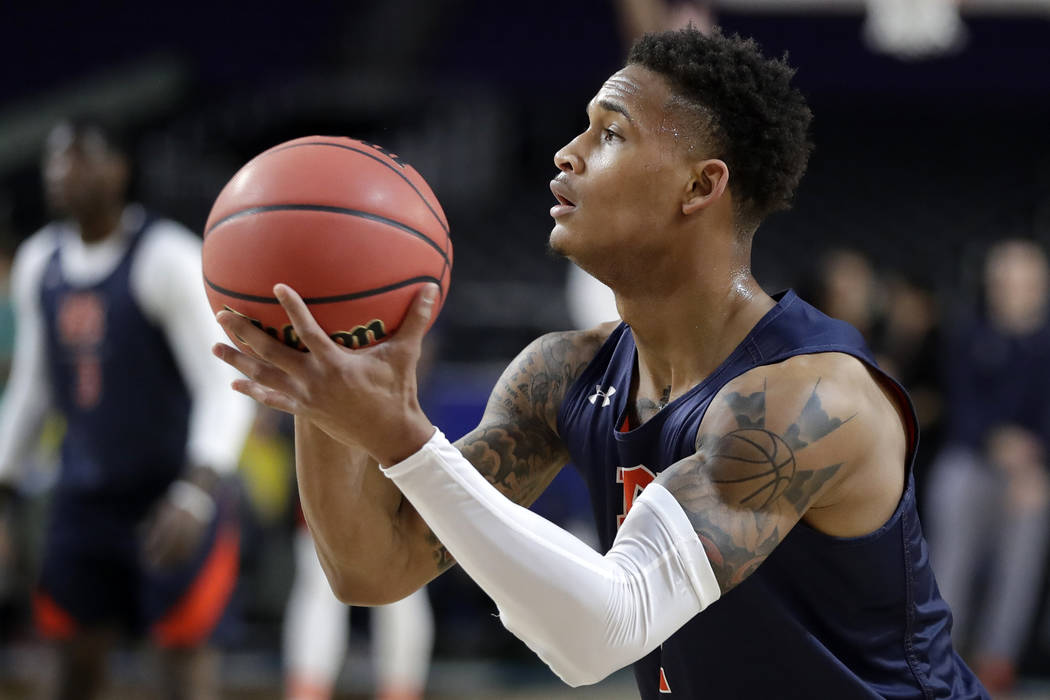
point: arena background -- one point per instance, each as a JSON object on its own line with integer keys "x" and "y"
{"x": 920, "y": 161}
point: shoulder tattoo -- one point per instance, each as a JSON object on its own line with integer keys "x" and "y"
{"x": 745, "y": 488}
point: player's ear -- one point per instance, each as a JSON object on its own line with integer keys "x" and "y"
{"x": 707, "y": 183}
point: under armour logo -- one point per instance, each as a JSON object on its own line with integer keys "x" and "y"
{"x": 603, "y": 394}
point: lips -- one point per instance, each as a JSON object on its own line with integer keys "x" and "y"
{"x": 566, "y": 198}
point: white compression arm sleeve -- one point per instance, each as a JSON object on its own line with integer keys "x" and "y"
{"x": 586, "y": 615}
{"x": 166, "y": 280}
{"x": 28, "y": 396}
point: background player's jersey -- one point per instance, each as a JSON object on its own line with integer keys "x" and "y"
{"x": 115, "y": 335}
{"x": 115, "y": 381}
{"x": 823, "y": 616}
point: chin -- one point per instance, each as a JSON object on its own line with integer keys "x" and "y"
{"x": 559, "y": 241}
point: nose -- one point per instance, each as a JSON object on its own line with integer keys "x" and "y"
{"x": 567, "y": 160}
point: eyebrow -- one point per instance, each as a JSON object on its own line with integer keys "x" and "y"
{"x": 611, "y": 106}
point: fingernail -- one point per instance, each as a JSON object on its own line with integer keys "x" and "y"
{"x": 430, "y": 293}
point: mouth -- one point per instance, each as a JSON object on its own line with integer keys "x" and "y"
{"x": 566, "y": 199}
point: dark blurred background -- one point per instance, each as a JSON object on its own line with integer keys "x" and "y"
{"x": 916, "y": 160}
{"x": 925, "y": 154}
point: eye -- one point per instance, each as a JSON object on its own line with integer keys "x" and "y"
{"x": 609, "y": 135}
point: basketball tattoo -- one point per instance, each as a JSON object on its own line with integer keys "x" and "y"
{"x": 750, "y": 469}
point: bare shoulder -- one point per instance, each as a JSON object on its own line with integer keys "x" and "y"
{"x": 815, "y": 438}
{"x": 805, "y": 398}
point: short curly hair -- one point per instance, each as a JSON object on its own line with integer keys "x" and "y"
{"x": 750, "y": 115}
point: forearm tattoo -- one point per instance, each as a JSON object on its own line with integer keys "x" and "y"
{"x": 737, "y": 485}
{"x": 516, "y": 447}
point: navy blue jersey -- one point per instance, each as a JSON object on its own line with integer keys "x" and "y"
{"x": 115, "y": 381}
{"x": 823, "y": 617}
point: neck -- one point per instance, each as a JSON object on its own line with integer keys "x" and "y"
{"x": 99, "y": 225}
{"x": 683, "y": 333}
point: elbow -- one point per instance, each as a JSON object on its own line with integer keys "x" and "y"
{"x": 576, "y": 661}
{"x": 576, "y": 678}
{"x": 351, "y": 589}
{"x": 346, "y": 592}
{"x": 353, "y": 583}
{"x": 577, "y": 669}
{"x": 348, "y": 586}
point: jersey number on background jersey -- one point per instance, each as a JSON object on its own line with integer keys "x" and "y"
{"x": 81, "y": 328}
{"x": 634, "y": 480}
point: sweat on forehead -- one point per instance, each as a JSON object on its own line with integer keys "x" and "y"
{"x": 623, "y": 83}
{"x": 635, "y": 92}
{"x": 691, "y": 124}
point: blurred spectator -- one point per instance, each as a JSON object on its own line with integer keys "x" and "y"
{"x": 907, "y": 346}
{"x": 845, "y": 287}
{"x": 114, "y": 333}
{"x": 989, "y": 495}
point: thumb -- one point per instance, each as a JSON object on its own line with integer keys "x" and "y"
{"x": 417, "y": 320}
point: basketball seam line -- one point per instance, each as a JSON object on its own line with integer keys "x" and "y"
{"x": 324, "y": 300}
{"x": 376, "y": 159}
{"x": 330, "y": 210}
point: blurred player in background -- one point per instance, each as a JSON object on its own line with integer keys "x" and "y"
{"x": 113, "y": 331}
{"x": 847, "y": 288}
{"x": 989, "y": 491}
{"x": 749, "y": 463}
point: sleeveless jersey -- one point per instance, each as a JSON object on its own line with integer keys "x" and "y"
{"x": 116, "y": 383}
{"x": 823, "y": 618}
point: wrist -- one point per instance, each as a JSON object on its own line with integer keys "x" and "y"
{"x": 413, "y": 438}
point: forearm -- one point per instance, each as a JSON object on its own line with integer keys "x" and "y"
{"x": 22, "y": 413}
{"x": 372, "y": 545}
{"x": 24, "y": 405}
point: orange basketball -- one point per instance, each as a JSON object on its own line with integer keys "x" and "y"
{"x": 351, "y": 227}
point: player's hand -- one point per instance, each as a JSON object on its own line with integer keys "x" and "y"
{"x": 365, "y": 397}
{"x": 179, "y": 521}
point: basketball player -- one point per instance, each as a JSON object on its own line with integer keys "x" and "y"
{"x": 749, "y": 464}
{"x": 113, "y": 333}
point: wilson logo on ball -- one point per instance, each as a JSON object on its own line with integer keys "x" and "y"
{"x": 356, "y": 337}
{"x": 360, "y": 336}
